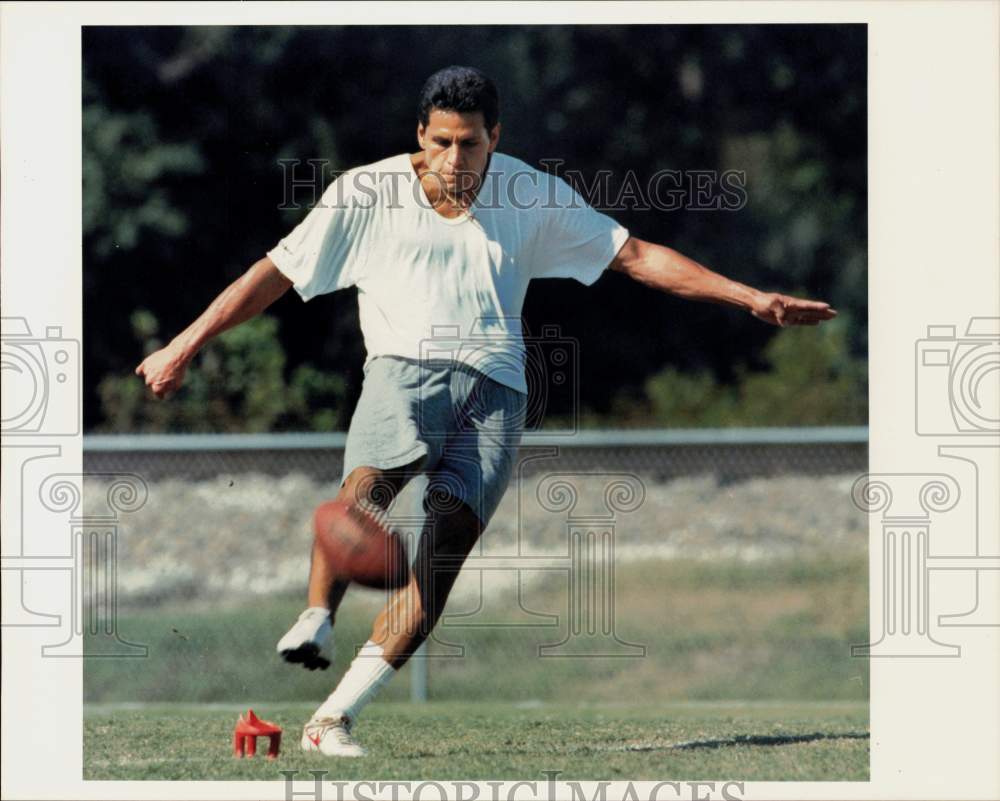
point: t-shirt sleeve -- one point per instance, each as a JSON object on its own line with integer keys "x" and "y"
{"x": 325, "y": 252}
{"x": 574, "y": 240}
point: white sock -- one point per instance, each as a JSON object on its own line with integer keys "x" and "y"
{"x": 359, "y": 685}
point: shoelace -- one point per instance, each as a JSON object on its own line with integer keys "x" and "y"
{"x": 341, "y": 728}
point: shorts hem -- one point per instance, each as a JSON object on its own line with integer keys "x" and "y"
{"x": 386, "y": 464}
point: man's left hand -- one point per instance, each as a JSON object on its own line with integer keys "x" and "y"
{"x": 784, "y": 311}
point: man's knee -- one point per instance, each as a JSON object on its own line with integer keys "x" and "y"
{"x": 375, "y": 485}
{"x": 454, "y": 532}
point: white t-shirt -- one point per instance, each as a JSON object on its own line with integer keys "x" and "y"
{"x": 433, "y": 287}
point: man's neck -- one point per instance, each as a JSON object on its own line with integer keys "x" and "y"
{"x": 444, "y": 203}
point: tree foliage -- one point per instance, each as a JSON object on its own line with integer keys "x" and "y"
{"x": 185, "y": 128}
{"x": 236, "y": 384}
{"x": 810, "y": 380}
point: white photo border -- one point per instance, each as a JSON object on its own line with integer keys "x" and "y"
{"x": 934, "y": 229}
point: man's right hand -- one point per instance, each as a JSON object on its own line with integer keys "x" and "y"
{"x": 163, "y": 370}
{"x": 246, "y": 297}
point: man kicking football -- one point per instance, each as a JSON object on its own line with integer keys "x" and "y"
{"x": 446, "y": 238}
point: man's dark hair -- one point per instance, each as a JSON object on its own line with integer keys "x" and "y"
{"x": 462, "y": 89}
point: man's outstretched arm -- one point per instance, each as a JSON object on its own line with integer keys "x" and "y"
{"x": 246, "y": 297}
{"x": 667, "y": 270}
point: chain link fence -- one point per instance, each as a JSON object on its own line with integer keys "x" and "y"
{"x": 231, "y": 513}
{"x": 229, "y": 517}
{"x": 730, "y": 454}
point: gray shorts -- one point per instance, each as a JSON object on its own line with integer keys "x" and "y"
{"x": 463, "y": 426}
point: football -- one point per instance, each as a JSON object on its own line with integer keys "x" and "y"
{"x": 359, "y": 546}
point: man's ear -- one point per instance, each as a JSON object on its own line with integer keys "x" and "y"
{"x": 420, "y": 135}
{"x": 494, "y": 137}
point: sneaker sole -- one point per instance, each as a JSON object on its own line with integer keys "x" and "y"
{"x": 306, "y": 654}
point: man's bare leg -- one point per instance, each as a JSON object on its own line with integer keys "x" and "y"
{"x": 369, "y": 484}
{"x": 304, "y": 641}
{"x": 404, "y": 623}
{"x": 413, "y": 611}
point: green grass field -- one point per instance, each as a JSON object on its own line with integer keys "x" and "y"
{"x": 480, "y": 741}
{"x": 747, "y": 674}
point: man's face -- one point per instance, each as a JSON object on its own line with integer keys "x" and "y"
{"x": 456, "y": 146}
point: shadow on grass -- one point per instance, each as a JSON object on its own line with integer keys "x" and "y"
{"x": 751, "y": 739}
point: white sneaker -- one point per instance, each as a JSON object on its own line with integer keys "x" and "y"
{"x": 331, "y": 737}
{"x": 304, "y": 641}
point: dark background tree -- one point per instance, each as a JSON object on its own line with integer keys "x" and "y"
{"x": 184, "y": 129}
